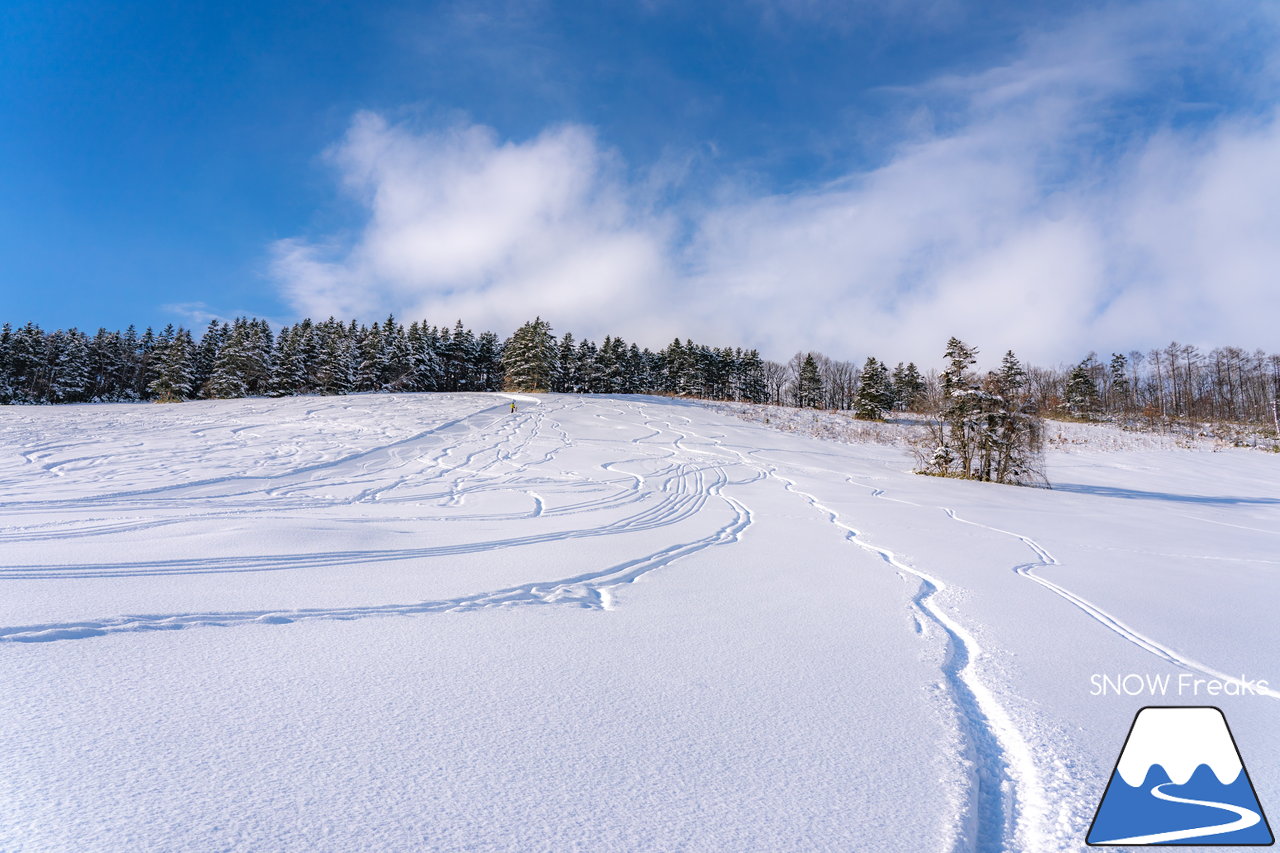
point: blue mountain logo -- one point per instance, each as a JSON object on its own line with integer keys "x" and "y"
{"x": 1180, "y": 781}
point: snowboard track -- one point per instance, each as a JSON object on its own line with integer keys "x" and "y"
{"x": 678, "y": 490}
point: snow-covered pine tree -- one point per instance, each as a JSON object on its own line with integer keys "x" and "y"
{"x": 424, "y": 357}
{"x": 155, "y": 348}
{"x": 287, "y": 371}
{"x": 259, "y": 346}
{"x": 334, "y": 365}
{"x": 148, "y": 343}
{"x": 613, "y": 365}
{"x": 1011, "y": 379}
{"x": 129, "y": 379}
{"x": 372, "y": 351}
{"x": 961, "y": 404}
{"x": 69, "y": 367}
{"x": 908, "y": 387}
{"x": 1119, "y": 392}
{"x": 808, "y": 389}
{"x": 633, "y": 372}
{"x": 6, "y": 365}
{"x": 172, "y": 359}
{"x": 874, "y": 397}
{"x": 1012, "y": 445}
{"x": 753, "y": 384}
{"x": 460, "y": 359}
{"x": 718, "y": 373}
{"x": 587, "y": 361}
{"x": 26, "y": 359}
{"x": 399, "y": 374}
{"x": 693, "y": 378}
{"x": 529, "y": 357}
{"x": 207, "y": 355}
{"x": 108, "y": 367}
{"x": 489, "y": 362}
{"x": 988, "y": 430}
{"x": 674, "y": 365}
{"x": 234, "y": 366}
{"x": 566, "y": 379}
{"x": 1081, "y": 391}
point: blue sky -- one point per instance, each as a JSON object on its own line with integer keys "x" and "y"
{"x": 856, "y": 177}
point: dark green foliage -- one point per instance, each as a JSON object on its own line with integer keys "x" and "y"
{"x": 987, "y": 428}
{"x": 808, "y": 391}
{"x": 1082, "y": 390}
{"x": 529, "y": 357}
{"x": 875, "y": 396}
{"x": 173, "y": 359}
{"x": 908, "y": 388}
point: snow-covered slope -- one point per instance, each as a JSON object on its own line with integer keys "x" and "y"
{"x": 425, "y": 622}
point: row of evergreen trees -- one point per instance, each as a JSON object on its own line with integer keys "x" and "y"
{"x": 534, "y": 360}
{"x": 245, "y": 358}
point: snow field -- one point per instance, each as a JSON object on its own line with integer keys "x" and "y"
{"x": 594, "y": 624}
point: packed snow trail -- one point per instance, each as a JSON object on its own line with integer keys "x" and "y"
{"x": 1006, "y": 805}
{"x": 1111, "y": 623}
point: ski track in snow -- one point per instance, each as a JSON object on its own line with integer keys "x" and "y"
{"x": 1107, "y": 620}
{"x": 676, "y": 492}
{"x": 661, "y": 480}
{"x": 1005, "y": 807}
{"x": 670, "y": 480}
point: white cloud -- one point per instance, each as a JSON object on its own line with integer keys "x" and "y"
{"x": 1006, "y": 228}
{"x": 462, "y": 225}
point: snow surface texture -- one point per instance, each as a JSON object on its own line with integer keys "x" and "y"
{"x": 425, "y": 622}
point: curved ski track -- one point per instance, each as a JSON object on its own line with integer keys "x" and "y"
{"x": 662, "y": 483}
{"x": 677, "y": 489}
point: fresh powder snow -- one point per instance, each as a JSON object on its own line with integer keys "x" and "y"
{"x": 426, "y": 622}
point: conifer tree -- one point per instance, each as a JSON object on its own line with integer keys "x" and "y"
{"x": 288, "y": 373}
{"x": 207, "y": 356}
{"x": 459, "y": 359}
{"x": 424, "y": 357}
{"x": 334, "y": 370}
{"x": 874, "y": 398}
{"x": 1081, "y": 391}
{"x": 130, "y": 365}
{"x": 674, "y": 365}
{"x": 489, "y": 362}
{"x": 754, "y": 386}
{"x": 809, "y": 384}
{"x": 68, "y": 356}
{"x": 566, "y": 377}
{"x": 1119, "y": 390}
{"x": 633, "y": 372}
{"x": 908, "y": 387}
{"x": 529, "y": 357}
{"x": 7, "y": 391}
{"x": 172, "y": 360}
{"x": 588, "y": 366}
{"x": 373, "y": 360}
{"x": 399, "y": 374}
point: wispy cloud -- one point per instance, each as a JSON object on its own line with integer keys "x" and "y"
{"x": 1032, "y": 209}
